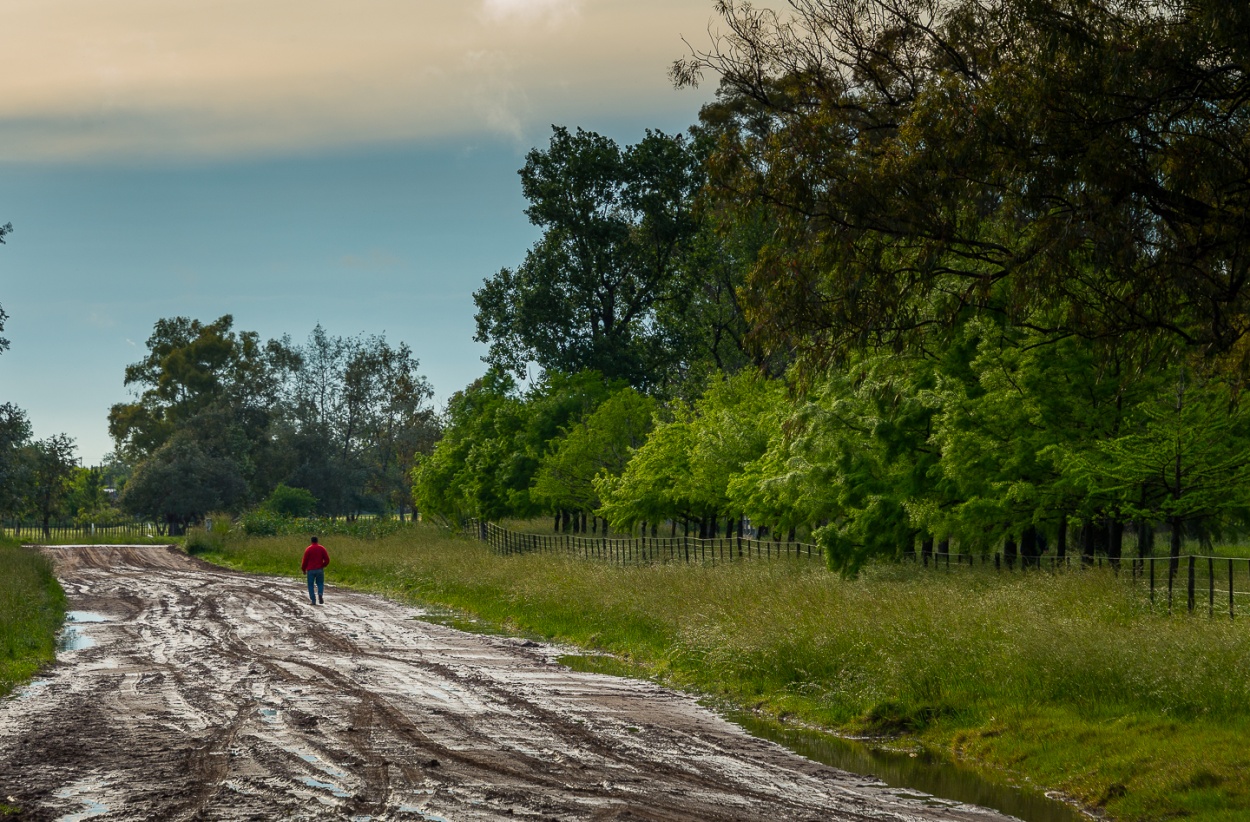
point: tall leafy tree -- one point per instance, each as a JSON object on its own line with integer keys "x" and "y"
{"x": 616, "y": 224}
{"x": 51, "y": 467}
{"x": 1076, "y": 167}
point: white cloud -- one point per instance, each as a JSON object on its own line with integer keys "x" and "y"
{"x": 529, "y": 10}
{"x": 146, "y": 78}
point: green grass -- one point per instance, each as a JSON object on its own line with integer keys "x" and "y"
{"x": 1070, "y": 681}
{"x": 32, "y": 608}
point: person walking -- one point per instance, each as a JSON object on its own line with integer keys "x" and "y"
{"x": 315, "y": 561}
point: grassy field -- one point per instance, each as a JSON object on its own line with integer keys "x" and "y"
{"x": 1067, "y": 681}
{"x": 32, "y": 608}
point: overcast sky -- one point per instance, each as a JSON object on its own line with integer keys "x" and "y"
{"x": 289, "y": 163}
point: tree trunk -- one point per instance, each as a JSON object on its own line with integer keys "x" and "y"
{"x": 1178, "y": 532}
{"x": 729, "y": 528}
{"x": 1145, "y": 539}
{"x": 1061, "y": 538}
{"x": 1029, "y": 552}
{"x": 556, "y": 527}
{"x": 790, "y": 536}
{"x": 1115, "y": 541}
{"x": 926, "y": 548}
{"x": 655, "y": 527}
{"x": 1087, "y": 543}
{"x": 944, "y": 546}
{"x": 564, "y": 516}
{"x": 1009, "y": 551}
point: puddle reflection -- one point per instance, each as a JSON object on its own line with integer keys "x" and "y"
{"x": 923, "y": 772}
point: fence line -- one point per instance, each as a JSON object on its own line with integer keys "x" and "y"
{"x": 18, "y": 530}
{"x": 640, "y": 550}
{"x": 1196, "y": 574}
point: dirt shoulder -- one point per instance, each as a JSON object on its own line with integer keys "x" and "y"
{"x": 210, "y": 694}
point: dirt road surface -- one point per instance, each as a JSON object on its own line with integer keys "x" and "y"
{"x": 216, "y": 695}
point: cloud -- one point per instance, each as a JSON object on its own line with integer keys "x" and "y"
{"x": 553, "y": 11}
{"x": 149, "y": 78}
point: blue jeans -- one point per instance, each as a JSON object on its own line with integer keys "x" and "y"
{"x": 319, "y": 577}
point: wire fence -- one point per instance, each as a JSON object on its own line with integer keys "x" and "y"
{"x": 1197, "y": 583}
{"x": 63, "y": 531}
{"x": 640, "y": 550}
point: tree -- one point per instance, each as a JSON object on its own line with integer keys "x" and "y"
{"x": 291, "y": 502}
{"x": 357, "y": 413}
{"x": 1183, "y": 459}
{"x": 599, "y": 445}
{"x": 616, "y": 224}
{"x": 52, "y": 465}
{"x": 1076, "y": 168}
{"x": 194, "y": 371}
{"x": 15, "y": 432}
{"x": 181, "y": 482}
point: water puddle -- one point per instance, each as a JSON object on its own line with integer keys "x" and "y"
{"x": 85, "y": 616}
{"x": 421, "y": 812}
{"x": 73, "y": 639}
{"x": 923, "y": 773}
{"x": 90, "y": 806}
{"x": 325, "y": 786}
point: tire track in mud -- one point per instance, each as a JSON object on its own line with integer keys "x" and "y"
{"x": 217, "y": 695}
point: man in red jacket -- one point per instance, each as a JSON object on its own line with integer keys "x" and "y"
{"x": 315, "y": 561}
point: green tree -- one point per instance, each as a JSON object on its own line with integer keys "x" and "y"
{"x": 1077, "y": 168}
{"x": 291, "y": 502}
{"x": 15, "y": 432}
{"x": 52, "y": 465}
{"x": 1183, "y": 459}
{"x": 600, "y": 444}
{"x": 181, "y": 482}
{"x": 616, "y": 224}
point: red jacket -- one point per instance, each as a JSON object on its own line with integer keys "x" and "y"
{"x": 315, "y": 557}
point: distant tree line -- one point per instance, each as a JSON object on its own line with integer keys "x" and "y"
{"x": 923, "y": 273}
{"x": 222, "y": 421}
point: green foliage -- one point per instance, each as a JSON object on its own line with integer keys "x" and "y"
{"x": 181, "y": 482}
{"x": 685, "y": 468}
{"x": 262, "y": 523}
{"x": 290, "y": 502}
{"x": 1074, "y": 168}
{"x": 616, "y": 226}
{"x": 600, "y": 445}
{"x": 342, "y": 418}
{"x": 494, "y": 441}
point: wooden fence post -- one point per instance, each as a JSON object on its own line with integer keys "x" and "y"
{"x": 1190, "y": 600}
{"x": 1211, "y": 586}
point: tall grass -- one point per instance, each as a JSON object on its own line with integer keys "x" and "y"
{"x": 32, "y": 608}
{"x": 1070, "y": 680}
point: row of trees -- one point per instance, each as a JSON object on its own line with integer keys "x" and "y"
{"x": 221, "y": 419}
{"x": 966, "y": 270}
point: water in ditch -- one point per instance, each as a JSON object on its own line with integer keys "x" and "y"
{"x": 917, "y": 772}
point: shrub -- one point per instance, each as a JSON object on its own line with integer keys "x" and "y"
{"x": 286, "y": 501}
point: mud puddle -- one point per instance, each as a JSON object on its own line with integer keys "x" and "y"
{"x": 216, "y": 695}
{"x": 75, "y": 638}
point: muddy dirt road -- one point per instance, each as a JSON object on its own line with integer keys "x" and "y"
{"x": 215, "y": 695}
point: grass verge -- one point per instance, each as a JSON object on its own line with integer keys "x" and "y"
{"x": 32, "y": 608}
{"x": 1070, "y": 682}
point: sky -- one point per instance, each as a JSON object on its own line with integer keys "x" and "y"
{"x": 289, "y": 163}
